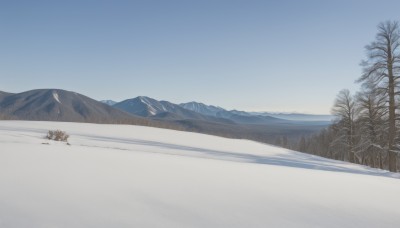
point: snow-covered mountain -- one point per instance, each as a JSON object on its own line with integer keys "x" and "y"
{"x": 109, "y": 102}
{"x": 148, "y": 107}
{"x": 132, "y": 176}
{"x": 142, "y": 106}
{"x": 162, "y": 110}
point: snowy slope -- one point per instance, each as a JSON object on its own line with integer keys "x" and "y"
{"x": 130, "y": 176}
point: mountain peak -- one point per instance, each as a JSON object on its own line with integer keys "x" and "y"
{"x": 141, "y": 105}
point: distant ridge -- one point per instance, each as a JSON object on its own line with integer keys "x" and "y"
{"x": 252, "y": 117}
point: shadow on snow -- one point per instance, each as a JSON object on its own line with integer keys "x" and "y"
{"x": 291, "y": 159}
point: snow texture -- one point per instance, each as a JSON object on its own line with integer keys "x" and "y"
{"x": 131, "y": 176}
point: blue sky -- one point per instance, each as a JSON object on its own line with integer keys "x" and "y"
{"x": 246, "y": 55}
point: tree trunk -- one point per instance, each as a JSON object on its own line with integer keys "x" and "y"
{"x": 392, "y": 115}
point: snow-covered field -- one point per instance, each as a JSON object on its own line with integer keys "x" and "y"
{"x": 130, "y": 176}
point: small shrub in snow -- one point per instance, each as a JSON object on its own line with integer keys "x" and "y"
{"x": 57, "y": 135}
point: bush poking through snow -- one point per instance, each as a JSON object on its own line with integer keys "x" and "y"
{"x": 57, "y": 135}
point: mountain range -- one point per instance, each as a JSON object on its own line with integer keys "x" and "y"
{"x": 154, "y": 109}
{"x": 198, "y": 117}
{"x": 148, "y": 107}
{"x": 62, "y": 105}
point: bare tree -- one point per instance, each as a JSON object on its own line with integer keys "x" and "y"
{"x": 382, "y": 69}
{"x": 371, "y": 127}
{"x": 344, "y": 109}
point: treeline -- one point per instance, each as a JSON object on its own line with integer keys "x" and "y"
{"x": 367, "y": 129}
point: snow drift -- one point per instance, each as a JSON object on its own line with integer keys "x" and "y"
{"x": 131, "y": 176}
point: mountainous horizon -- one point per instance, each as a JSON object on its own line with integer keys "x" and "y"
{"x": 62, "y": 105}
{"x": 217, "y": 111}
{"x": 258, "y": 112}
